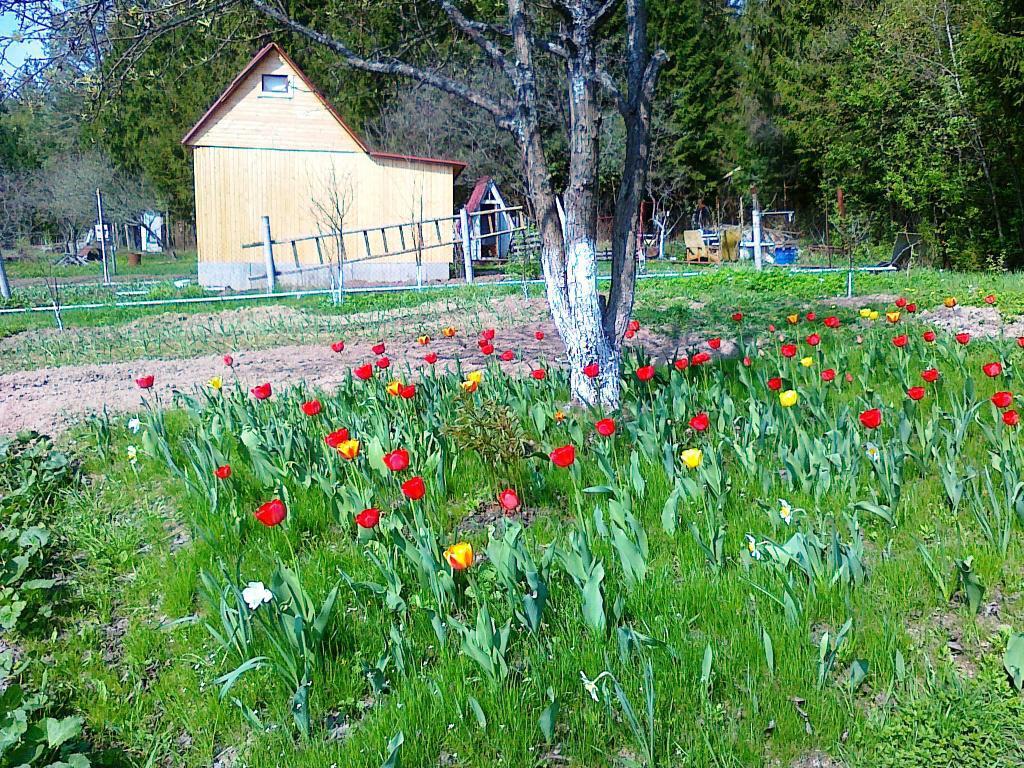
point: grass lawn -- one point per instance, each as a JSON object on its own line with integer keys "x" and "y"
{"x": 812, "y": 588}
{"x": 181, "y": 264}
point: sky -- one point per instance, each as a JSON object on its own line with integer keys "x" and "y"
{"x": 16, "y": 52}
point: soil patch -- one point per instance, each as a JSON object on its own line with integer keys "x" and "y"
{"x": 978, "y": 321}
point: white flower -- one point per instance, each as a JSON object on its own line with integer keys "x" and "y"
{"x": 752, "y": 547}
{"x": 132, "y": 453}
{"x": 872, "y": 451}
{"x": 591, "y": 685}
{"x": 134, "y": 425}
{"x": 785, "y": 511}
{"x": 255, "y": 595}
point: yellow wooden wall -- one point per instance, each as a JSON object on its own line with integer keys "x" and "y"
{"x": 235, "y": 188}
{"x": 266, "y": 155}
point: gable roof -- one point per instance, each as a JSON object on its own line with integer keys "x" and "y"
{"x": 187, "y": 140}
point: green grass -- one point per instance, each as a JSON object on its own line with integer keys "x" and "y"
{"x": 138, "y": 538}
{"x": 40, "y": 265}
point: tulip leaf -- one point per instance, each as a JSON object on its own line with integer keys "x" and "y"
{"x": 478, "y": 712}
{"x": 394, "y": 758}
{"x": 769, "y": 651}
{"x": 1013, "y": 660}
{"x": 858, "y": 672}
{"x": 549, "y": 717}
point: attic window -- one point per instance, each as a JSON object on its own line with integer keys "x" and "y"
{"x": 276, "y": 85}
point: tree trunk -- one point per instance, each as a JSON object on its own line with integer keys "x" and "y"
{"x": 5, "y": 286}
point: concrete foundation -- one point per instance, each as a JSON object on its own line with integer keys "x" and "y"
{"x": 252, "y": 276}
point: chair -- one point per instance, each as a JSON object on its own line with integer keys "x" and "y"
{"x": 699, "y": 252}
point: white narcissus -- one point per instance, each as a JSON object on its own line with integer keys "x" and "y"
{"x": 256, "y": 594}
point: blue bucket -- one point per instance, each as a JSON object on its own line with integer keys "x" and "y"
{"x": 786, "y": 255}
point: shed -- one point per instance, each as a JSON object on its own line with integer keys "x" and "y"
{"x": 271, "y": 145}
{"x": 487, "y": 214}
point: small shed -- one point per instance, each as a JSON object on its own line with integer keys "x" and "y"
{"x": 487, "y": 214}
{"x": 272, "y": 145}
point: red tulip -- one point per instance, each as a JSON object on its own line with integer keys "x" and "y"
{"x": 747, "y": 362}
{"x": 1020, "y": 341}
{"x": 771, "y": 327}
{"x": 378, "y": 349}
{"x": 538, "y": 374}
{"x": 700, "y": 422}
{"x": 634, "y": 326}
{"x": 539, "y": 335}
{"x": 414, "y": 488}
{"x": 700, "y": 358}
{"x": 930, "y": 375}
{"x": 312, "y": 407}
{"x": 928, "y": 336}
{"x": 1011, "y": 418}
{"x": 605, "y": 427}
{"x": 397, "y": 460}
{"x": 911, "y": 308}
{"x": 832, "y": 322}
{"x": 272, "y": 513}
{"x": 383, "y": 363}
{"x": 645, "y": 372}
{"x": 487, "y": 334}
{"x": 900, "y": 341}
{"x": 901, "y": 302}
{"x": 591, "y": 371}
{"x": 828, "y": 375}
{"x": 788, "y": 350}
{"x": 681, "y": 364}
{"x": 916, "y": 393}
{"x": 715, "y": 343}
{"x": 487, "y": 349}
{"x": 509, "y": 500}
{"x": 363, "y": 372}
{"x": 563, "y": 456}
{"x": 810, "y": 317}
{"x": 145, "y": 382}
{"x": 368, "y": 518}
{"x": 228, "y": 360}
{"x": 261, "y": 391}
{"x": 338, "y": 346}
{"x": 992, "y": 369}
{"x": 430, "y": 358}
{"x": 814, "y": 340}
{"x": 223, "y": 472}
{"x": 629, "y": 334}
{"x": 1002, "y": 399}
{"x": 336, "y": 438}
{"x": 737, "y": 316}
{"x": 407, "y": 392}
{"x": 871, "y": 418}
{"x": 963, "y": 338}
{"x": 775, "y": 384}
{"x": 508, "y": 355}
{"x": 990, "y": 299}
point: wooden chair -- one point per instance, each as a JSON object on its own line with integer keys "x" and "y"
{"x": 697, "y": 252}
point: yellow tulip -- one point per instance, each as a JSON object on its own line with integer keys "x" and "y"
{"x": 950, "y": 302}
{"x": 448, "y": 331}
{"x": 423, "y": 340}
{"x": 394, "y": 387}
{"x": 806, "y": 362}
{"x": 865, "y": 312}
{"x": 692, "y": 457}
{"x": 874, "y": 315}
{"x": 892, "y": 317}
{"x": 216, "y": 382}
{"x": 469, "y": 385}
{"x": 459, "y": 556}
{"x": 793, "y": 319}
{"x": 559, "y": 416}
{"x": 788, "y": 398}
{"x": 348, "y": 449}
{"x": 475, "y": 376}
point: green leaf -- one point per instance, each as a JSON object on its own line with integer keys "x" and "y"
{"x": 394, "y": 758}
{"x": 1013, "y": 660}
{"x": 549, "y": 717}
{"x": 478, "y": 711}
{"x": 60, "y": 731}
{"x": 858, "y": 672}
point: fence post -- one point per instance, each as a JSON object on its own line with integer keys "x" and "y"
{"x": 5, "y": 286}
{"x": 755, "y": 215}
{"x": 849, "y": 284}
{"x": 467, "y": 256}
{"x": 268, "y": 255}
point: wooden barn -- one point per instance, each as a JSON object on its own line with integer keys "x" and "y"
{"x": 272, "y": 145}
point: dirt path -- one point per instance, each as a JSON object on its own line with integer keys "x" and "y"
{"x": 50, "y": 400}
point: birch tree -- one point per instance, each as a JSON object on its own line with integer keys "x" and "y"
{"x": 574, "y": 33}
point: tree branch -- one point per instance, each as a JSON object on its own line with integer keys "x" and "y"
{"x": 475, "y": 31}
{"x": 501, "y": 112}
